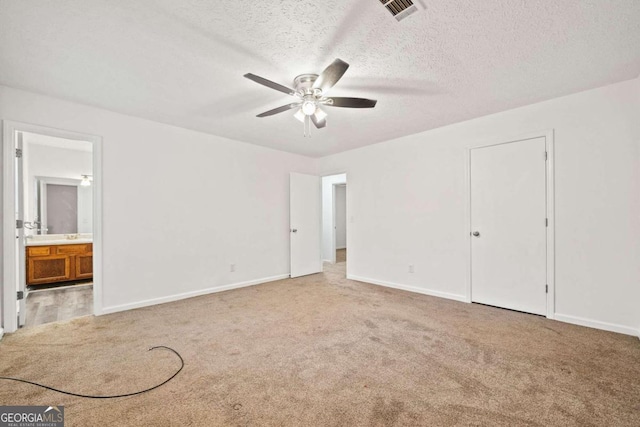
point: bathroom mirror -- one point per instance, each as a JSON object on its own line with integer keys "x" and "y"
{"x": 62, "y": 206}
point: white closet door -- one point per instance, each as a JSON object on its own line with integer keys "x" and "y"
{"x": 508, "y": 224}
{"x": 305, "y": 216}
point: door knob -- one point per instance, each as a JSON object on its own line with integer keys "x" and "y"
{"x": 476, "y": 233}
{"x": 294, "y": 230}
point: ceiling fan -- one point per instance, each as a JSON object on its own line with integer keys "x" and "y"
{"x": 311, "y": 91}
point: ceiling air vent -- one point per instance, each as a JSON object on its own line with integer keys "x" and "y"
{"x": 400, "y": 9}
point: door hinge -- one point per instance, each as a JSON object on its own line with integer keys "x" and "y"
{"x": 546, "y": 289}
{"x": 546, "y": 155}
{"x": 19, "y": 153}
{"x": 19, "y": 223}
{"x": 546, "y": 222}
{"x": 20, "y": 295}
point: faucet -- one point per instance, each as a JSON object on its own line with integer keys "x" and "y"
{"x": 32, "y": 225}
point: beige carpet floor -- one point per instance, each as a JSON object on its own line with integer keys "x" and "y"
{"x": 326, "y": 351}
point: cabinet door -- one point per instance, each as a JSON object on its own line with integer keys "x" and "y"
{"x": 49, "y": 269}
{"x": 84, "y": 266}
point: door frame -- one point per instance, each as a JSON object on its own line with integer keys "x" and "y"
{"x": 9, "y": 129}
{"x": 550, "y": 208}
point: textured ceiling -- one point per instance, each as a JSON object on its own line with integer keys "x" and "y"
{"x": 182, "y": 62}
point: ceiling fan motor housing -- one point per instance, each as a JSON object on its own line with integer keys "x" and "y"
{"x": 304, "y": 83}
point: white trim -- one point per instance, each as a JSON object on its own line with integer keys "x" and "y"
{"x": 59, "y": 181}
{"x": 97, "y": 227}
{"x": 612, "y": 327}
{"x": 548, "y": 135}
{"x": 9, "y": 312}
{"x": 467, "y": 224}
{"x": 1, "y": 333}
{"x": 9, "y": 256}
{"x": 333, "y": 223}
{"x": 340, "y": 247}
{"x": 439, "y": 294}
{"x": 551, "y": 229}
{"x": 177, "y": 297}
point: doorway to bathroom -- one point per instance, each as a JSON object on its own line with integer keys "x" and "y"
{"x": 53, "y": 249}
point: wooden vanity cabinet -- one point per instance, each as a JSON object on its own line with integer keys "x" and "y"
{"x": 59, "y": 263}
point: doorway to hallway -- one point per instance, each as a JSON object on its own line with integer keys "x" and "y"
{"x": 334, "y": 219}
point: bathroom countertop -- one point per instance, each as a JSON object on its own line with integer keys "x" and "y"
{"x": 64, "y": 241}
{"x": 58, "y": 242}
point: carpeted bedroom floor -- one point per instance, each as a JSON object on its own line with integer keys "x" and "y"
{"x": 325, "y": 351}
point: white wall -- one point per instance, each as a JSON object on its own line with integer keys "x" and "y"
{"x": 407, "y": 201}
{"x": 341, "y": 217}
{"x": 179, "y": 206}
{"x": 85, "y": 209}
{"x": 327, "y": 214}
{"x": 56, "y": 162}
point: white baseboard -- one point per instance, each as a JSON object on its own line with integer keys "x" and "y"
{"x": 1, "y": 333}
{"x": 612, "y": 327}
{"x": 327, "y": 260}
{"x": 177, "y": 297}
{"x": 439, "y": 294}
{"x": 341, "y": 247}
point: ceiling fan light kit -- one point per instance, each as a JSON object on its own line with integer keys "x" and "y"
{"x": 311, "y": 91}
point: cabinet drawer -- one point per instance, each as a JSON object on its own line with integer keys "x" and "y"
{"x": 39, "y": 250}
{"x": 72, "y": 249}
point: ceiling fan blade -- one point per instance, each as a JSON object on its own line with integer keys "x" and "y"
{"x": 270, "y": 84}
{"x": 280, "y": 109}
{"x": 346, "y": 102}
{"x": 320, "y": 123}
{"x": 331, "y": 75}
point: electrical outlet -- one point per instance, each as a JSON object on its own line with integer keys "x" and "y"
{"x": 410, "y": 268}
{"x": 233, "y": 268}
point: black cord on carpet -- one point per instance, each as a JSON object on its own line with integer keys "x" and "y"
{"x": 107, "y": 397}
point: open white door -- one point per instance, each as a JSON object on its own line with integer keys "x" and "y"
{"x": 20, "y": 239}
{"x": 508, "y": 220}
{"x": 305, "y": 224}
